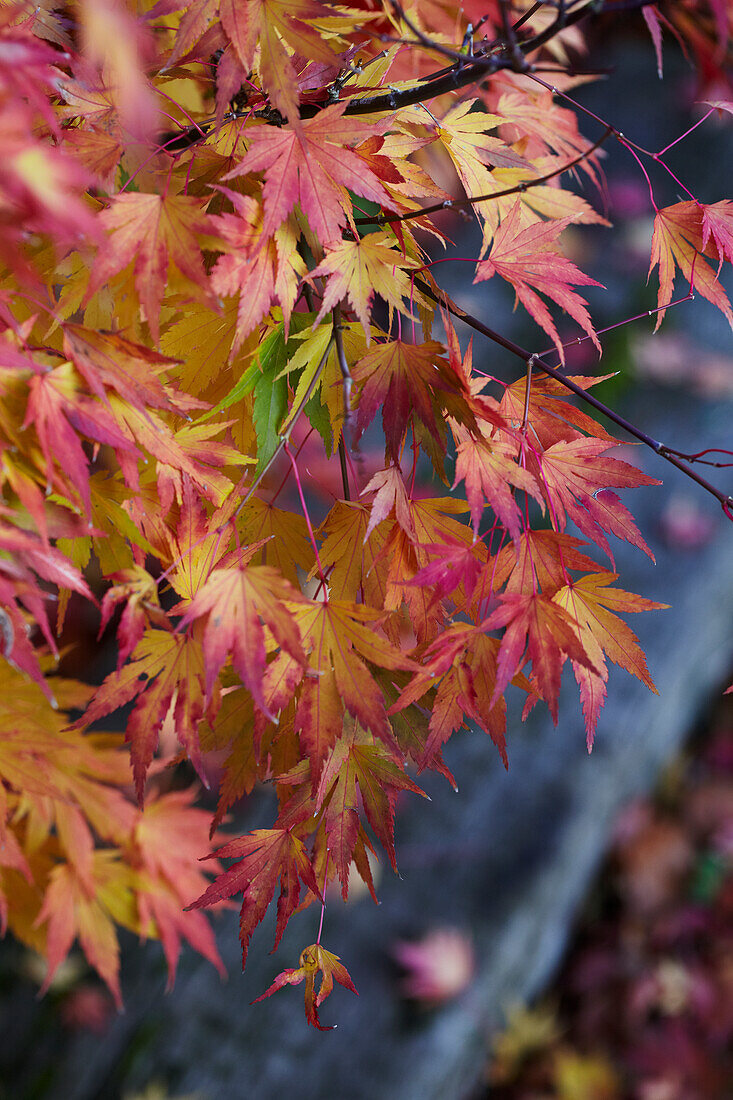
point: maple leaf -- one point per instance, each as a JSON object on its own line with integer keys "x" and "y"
{"x": 269, "y": 24}
{"x": 238, "y": 601}
{"x": 70, "y": 910}
{"x": 592, "y": 603}
{"x": 311, "y": 164}
{"x": 59, "y": 414}
{"x": 464, "y": 659}
{"x": 42, "y": 189}
{"x": 463, "y": 132}
{"x": 21, "y": 556}
{"x": 313, "y": 960}
{"x": 263, "y": 857}
{"x": 338, "y": 641}
{"x": 108, "y": 360}
{"x": 167, "y": 841}
{"x": 453, "y": 563}
{"x": 404, "y": 380}
{"x": 535, "y": 631}
{"x": 548, "y": 126}
{"x": 283, "y": 537}
{"x": 361, "y": 268}
{"x": 139, "y": 593}
{"x": 553, "y": 418}
{"x": 717, "y": 224}
{"x": 681, "y": 234}
{"x": 406, "y": 553}
{"x": 490, "y": 472}
{"x": 390, "y": 493}
{"x": 173, "y": 668}
{"x": 152, "y": 230}
{"x": 541, "y": 559}
{"x": 527, "y": 259}
{"x": 261, "y": 271}
{"x": 571, "y": 475}
{"x": 352, "y": 557}
{"x": 358, "y": 760}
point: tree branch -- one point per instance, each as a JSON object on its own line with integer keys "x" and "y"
{"x": 459, "y": 75}
{"x": 668, "y": 453}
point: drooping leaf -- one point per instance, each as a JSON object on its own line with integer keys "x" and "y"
{"x": 237, "y": 603}
{"x": 528, "y": 259}
{"x": 680, "y": 240}
{"x": 173, "y": 669}
{"x": 313, "y": 960}
{"x": 263, "y": 857}
{"x": 592, "y": 603}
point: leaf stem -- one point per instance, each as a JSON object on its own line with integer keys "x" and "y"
{"x": 304, "y": 506}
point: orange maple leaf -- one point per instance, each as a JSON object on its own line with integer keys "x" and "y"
{"x": 682, "y": 233}
{"x": 172, "y": 875}
{"x": 338, "y": 640}
{"x": 313, "y": 960}
{"x": 591, "y": 603}
{"x": 152, "y": 230}
{"x": 71, "y": 910}
{"x": 173, "y": 667}
{"x": 358, "y": 760}
{"x": 259, "y": 270}
{"x": 238, "y": 601}
{"x": 464, "y": 661}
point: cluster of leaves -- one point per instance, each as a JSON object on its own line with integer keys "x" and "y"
{"x": 644, "y": 1004}
{"x": 176, "y": 308}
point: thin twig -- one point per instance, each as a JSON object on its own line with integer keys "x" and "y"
{"x": 344, "y": 469}
{"x": 667, "y": 453}
{"x": 338, "y": 337}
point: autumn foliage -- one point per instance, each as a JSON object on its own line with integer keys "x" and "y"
{"x": 219, "y": 220}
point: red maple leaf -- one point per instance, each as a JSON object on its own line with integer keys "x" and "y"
{"x": 312, "y": 164}
{"x": 535, "y": 631}
{"x": 528, "y": 260}
{"x": 575, "y": 479}
{"x": 263, "y": 857}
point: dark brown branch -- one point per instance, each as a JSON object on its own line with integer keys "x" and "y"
{"x": 459, "y": 75}
{"x": 666, "y": 452}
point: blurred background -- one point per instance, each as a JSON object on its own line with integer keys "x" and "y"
{"x": 561, "y": 930}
